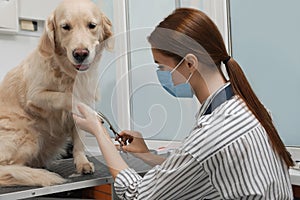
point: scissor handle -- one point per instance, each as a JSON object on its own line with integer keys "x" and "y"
{"x": 114, "y": 131}
{"x": 117, "y": 135}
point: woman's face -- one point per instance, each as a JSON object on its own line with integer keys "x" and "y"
{"x": 166, "y": 63}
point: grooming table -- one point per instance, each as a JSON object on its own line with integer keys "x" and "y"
{"x": 66, "y": 169}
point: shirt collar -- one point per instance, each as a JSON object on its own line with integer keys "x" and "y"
{"x": 214, "y": 100}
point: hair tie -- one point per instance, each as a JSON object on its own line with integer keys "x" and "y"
{"x": 226, "y": 60}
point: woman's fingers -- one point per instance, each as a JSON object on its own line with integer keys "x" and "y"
{"x": 84, "y": 109}
{"x": 127, "y": 139}
{"x": 124, "y": 132}
{"x": 81, "y": 109}
{"x": 124, "y": 139}
{"x": 79, "y": 119}
{"x": 124, "y": 148}
{"x": 134, "y": 134}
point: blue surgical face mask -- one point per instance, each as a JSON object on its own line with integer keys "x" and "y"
{"x": 180, "y": 90}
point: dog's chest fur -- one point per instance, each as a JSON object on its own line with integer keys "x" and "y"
{"x": 61, "y": 81}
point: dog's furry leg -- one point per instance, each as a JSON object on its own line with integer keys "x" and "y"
{"x": 83, "y": 165}
{"x": 12, "y": 175}
{"x": 50, "y": 100}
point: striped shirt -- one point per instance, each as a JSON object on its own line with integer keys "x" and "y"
{"x": 226, "y": 156}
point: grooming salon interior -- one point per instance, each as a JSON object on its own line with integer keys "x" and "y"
{"x": 262, "y": 36}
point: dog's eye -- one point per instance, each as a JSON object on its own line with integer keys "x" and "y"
{"x": 66, "y": 27}
{"x": 92, "y": 25}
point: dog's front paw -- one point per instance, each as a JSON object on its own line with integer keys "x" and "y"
{"x": 85, "y": 168}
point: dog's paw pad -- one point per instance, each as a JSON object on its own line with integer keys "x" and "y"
{"x": 86, "y": 168}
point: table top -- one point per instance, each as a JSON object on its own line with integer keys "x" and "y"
{"x": 66, "y": 169}
{"x": 295, "y": 176}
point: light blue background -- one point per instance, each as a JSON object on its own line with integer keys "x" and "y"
{"x": 265, "y": 37}
{"x": 154, "y": 112}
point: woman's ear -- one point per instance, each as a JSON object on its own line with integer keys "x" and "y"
{"x": 47, "y": 43}
{"x": 192, "y": 62}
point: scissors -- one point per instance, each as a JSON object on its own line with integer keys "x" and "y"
{"x": 122, "y": 141}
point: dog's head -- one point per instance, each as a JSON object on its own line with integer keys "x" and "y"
{"x": 75, "y": 34}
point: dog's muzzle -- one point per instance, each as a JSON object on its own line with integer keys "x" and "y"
{"x": 80, "y": 55}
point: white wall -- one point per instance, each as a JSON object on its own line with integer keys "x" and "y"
{"x": 13, "y": 49}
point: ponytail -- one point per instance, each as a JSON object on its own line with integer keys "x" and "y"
{"x": 242, "y": 88}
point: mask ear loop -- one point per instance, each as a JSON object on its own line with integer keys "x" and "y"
{"x": 189, "y": 77}
{"x": 178, "y": 65}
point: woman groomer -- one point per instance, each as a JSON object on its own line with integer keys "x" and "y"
{"x": 233, "y": 151}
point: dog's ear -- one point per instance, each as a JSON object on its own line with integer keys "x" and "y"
{"x": 107, "y": 33}
{"x": 47, "y": 42}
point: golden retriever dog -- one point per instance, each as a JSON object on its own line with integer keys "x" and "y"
{"x": 36, "y": 96}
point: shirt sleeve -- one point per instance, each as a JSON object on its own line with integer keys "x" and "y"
{"x": 166, "y": 181}
{"x": 126, "y": 183}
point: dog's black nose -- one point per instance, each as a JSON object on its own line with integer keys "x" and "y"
{"x": 80, "y": 54}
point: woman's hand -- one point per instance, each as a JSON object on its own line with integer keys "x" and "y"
{"x": 137, "y": 146}
{"x": 136, "y": 143}
{"x": 88, "y": 119}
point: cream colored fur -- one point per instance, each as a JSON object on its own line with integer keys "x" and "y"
{"x": 36, "y": 96}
